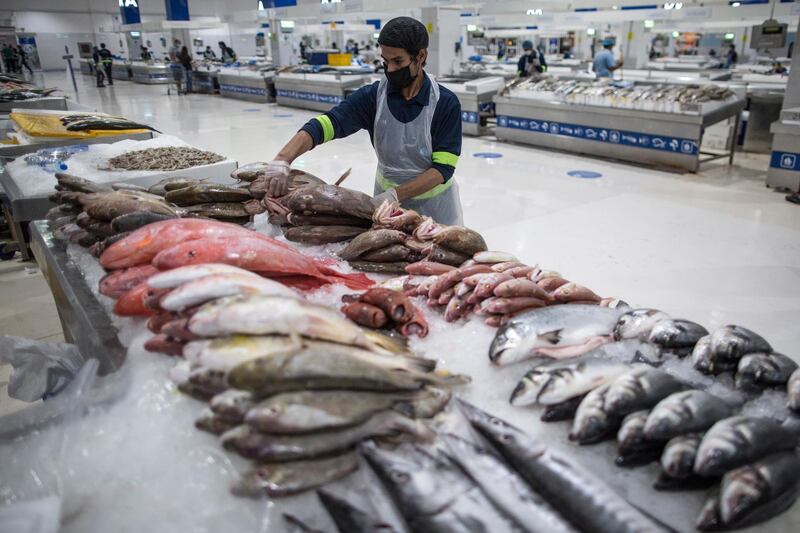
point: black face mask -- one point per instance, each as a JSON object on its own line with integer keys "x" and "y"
{"x": 400, "y": 78}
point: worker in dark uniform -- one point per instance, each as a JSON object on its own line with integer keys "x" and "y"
{"x": 414, "y": 124}
{"x": 98, "y": 67}
{"x": 107, "y": 60}
{"x": 531, "y": 61}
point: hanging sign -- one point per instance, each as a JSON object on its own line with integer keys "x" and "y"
{"x": 177, "y": 9}
{"x": 129, "y": 9}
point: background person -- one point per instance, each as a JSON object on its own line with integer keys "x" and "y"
{"x": 185, "y": 59}
{"x": 604, "y": 63}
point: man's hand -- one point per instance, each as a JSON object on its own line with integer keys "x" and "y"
{"x": 277, "y": 172}
{"x": 390, "y": 195}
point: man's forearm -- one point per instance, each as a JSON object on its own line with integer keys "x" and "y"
{"x": 420, "y": 185}
{"x": 297, "y": 146}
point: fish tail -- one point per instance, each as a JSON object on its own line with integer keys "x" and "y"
{"x": 356, "y": 281}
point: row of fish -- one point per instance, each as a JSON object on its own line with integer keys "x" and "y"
{"x": 383, "y": 308}
{"x": 100, "y": 122}
{"x": 493, "y": 478}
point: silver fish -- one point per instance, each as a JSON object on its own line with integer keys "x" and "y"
{"x": 753, "y": 493}
{"x": 677, "y": 334}
{"x": 232, "y": 404}
{"x": 793, "y": 391}
{"x": 583, "y": 499}
{"x": 677, "y": 465}
{"x": 562, "y": 411}
{"x": 632, "y": 446}
{"x": 554, "y": 383}
{"x": 705, "y": 361}
{"x": 757, "y": 370}
{"x": 506, "y": 490}
{"x": 640, "y": 388}
{"x": 265, "y": 448}
{"x": 432, "y": 494}
{"x": 732, "y": 342}
{"x": 685, "y": 412}
{"x": 740, "y": 440}
{"x": 637, "y": 323}
{"x": 592, "y": 424}
{"x": 213, "y": 423}
{"x": 285, "y": 479}
{"x": 349, "y": 517}
{"x": 558, "y": 332}
{"x": 295, "y": 525}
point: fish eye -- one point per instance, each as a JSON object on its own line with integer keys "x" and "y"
{"x": 507, "y": 438}
{"x": 400, "y": 477}
{"x": 192, "y": 253}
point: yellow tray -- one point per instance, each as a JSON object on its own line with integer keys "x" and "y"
{"x": 39, "y": 125}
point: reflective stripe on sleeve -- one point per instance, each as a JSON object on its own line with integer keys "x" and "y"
{"x": 445, "y": 158}
{"x": 327, "y": 128}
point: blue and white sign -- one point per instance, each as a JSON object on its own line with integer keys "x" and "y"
{"x": 177, "y": 9}
{"x": 311, "y": 97}
{"x": 129, "y": 9}
{"x": 785, "y": 161}
{"x": 241, "y": 89}
{"x": 469, "y": 116}
{"x": 626, "y": 138}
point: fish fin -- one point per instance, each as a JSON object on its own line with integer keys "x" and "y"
{"x": 553, "y": 337}
{"x": 640, "y": 358}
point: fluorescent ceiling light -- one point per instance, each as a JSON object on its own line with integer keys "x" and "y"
{"x": 730, "y": 36}
{"x": 287, "y": 24}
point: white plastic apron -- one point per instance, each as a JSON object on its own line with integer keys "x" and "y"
{"x": 405, "y": 151}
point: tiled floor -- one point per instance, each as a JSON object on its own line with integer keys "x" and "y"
{"x": 716, "y": 247}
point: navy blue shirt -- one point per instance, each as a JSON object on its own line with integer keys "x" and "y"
{"x": 357, "y": 113}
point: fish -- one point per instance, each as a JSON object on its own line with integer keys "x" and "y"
{"x": 592, "y": 424}
{"x": 395, "y": 304}
{"x": 759, "y": 370}
{"x": 118, "y": 282}
{"x": 579, "y": 496}
{"x": 685, "y": 412}
{"x": 226, "y": 211}
{"x": 390, "y": 215}
{"x": 202, "y": 193}
{"x": 732, "y": 342}
{"x": 633, "y": 448}
{"x": 298, "y": 219}
{"x": 432, "y": 494}
{"x": 107, "y": 206}
{"x": 793, "y": 391}
{"x": 677, "y": 334}
{"x": 167, "y": 184}
{"x": 428, "y": 268}
{"x": 739, "y": 440}
{"x": 557, "y": 382}
{"x": 365, "y": 315}
{"x": 371, "y": 240}
{"x": 753, "y": 493}
{"x": 330, "y": 200}
{"x": 278, "y": 480}
{"x": 137, "y": 219}
{"x": 418, "y": 325}
{"x": 78, "y": 184}
{"x": 486, "y": 284}
{"x": 221, "y": 285}
{"x": 250, "y": 171}
{"x": 165, "y": 344}
{"x": 254, "y": 207}
{"x": 557, "y": 332}
{"x": 176, "y": 277}
{"x": 256, "y": 253}
{"x": 101, "y": 230}
{"x": 132, "y": 303}
{"x": 638, "y": 323}
{"x": 227, "y": 352}
{"x": 391, "y": 269}
{"x": 551, "y": 284}
{"x": 213, "y": 423}
{"x": 493, "y": 257}
{"x": 511, "y": 306}
{"x": 440, "y": 254}
{"x": 677, "y": 465}
{"x": 316, "y": 235}
{"x": 312, "y": 411}
{"x": 505, "y": 489}
{"x": 199, "y": 382}
{"x": 157, "y": 321}
{"x": 251, "y": 444}
{"x": 390, "y": 254}
{"x": 521, "y": 287}
{"x": 562, "y": 411}
{"x": 641, "y": 388}
{"x": 348, "y": 517}
{"x": 318, "y": 369}
{"x": 460, "y": 239}
{"x": 232, "y": 405}
{"x": 705, "y": 361}
{"x": 571, "y": 292}
{"x": 295, "y": 525}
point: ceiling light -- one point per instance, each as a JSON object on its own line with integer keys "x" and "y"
{"x": 590, "y": 31}
{"x": 471, "y": 27}
{"x": 676, "y": 34}
{"x": 729, "y": 36}
{"x": 649, "y": 23}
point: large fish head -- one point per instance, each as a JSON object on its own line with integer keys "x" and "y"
{"x": 506, "y": 346}
{"x": 741, "y": 490}
{"x": 347, "y": 516}
{"x": 530, "y": 387}
{"x": 505, "y": 437}
{"x": 709, "y": 517}
{"x": 679, "y": 455}
{"x": 637, "y": 323}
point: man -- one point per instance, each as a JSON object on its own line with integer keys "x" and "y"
{"x": 604, "y": 63}
{"x": 209, "y": 53}
{"x": 174, "y": 51}
{"x": 8, "y": 58}
{"x": 228, "y": 55}
{"x": 530, "y": 61}
{"x": 107, "y": 60}
{"x": 23, "y": 60}
{"x": 98, "y": 67}
{"x": 414, "y": 124}
{"x": 732, "y": 57}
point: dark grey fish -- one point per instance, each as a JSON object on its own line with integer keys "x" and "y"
{"x": 432, "y": 494}
{"x": 639, "y": 389}
{"x": 592, "y": 424}
{"x": 753, "y": 493}
{"x": 793, "y": 391}
{"x": 134, "y": 221}
{"x": 677, "y": 334}
{"x": 760, "y": 370}
{"x": 583, "y": 499}
{"x": 740, "y": 440}
{"x": 350, "y": 518}
{"x": 397, "y": 268}
{"x": 160, "y": 188}
{"x": 732, "y": 342}
{"x": 685, "y": 412}
{"x": 295, "y": 525}
{"x": 633, "y": 448}
{"x": 557, "y": 382}
{"x": 284, "y": 479}
{"x": 677, "y": 465}
{"x": 232, "y": 404}
{"x": 705, "y": 361}
{"x": 206, "y": 193}
{"x": 562, "y": 411}
{"x": 77, "y": 184}
{"x": 637, "y": 323}
{"x": 506, "y": 490}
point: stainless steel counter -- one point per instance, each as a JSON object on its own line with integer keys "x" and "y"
{"x": 319, "y": 92}
{"x": 251, "y": 87}
{"x": 151, "y": 74}
{"x": 121, "y": 70}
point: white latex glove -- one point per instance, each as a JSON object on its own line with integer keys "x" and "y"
{"x": 278, "y": 174}
{"x": 390, "y": 195}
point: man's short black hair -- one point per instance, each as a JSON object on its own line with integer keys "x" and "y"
{"x": 406, "y": 33}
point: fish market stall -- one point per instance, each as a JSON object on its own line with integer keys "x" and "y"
{"x": 150, "y": 73}
{"x": 784, "y": 166}
{"x": 476, "y": 99}
{"x": 246, "y": 84}
{"x": 655, "y": 125}
{"x": 205, "y": 80}
{"x": 121, "y": 70}
{"x": 317, "y": 91}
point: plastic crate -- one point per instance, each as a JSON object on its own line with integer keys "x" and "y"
{"x": 339, "y": 60}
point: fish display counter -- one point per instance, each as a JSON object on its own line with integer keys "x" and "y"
{"x": 205, "y": 80}
{"x": 654, "y": 125}
{"x": 150, "y": 73}
{"x": 476, "y": 99}
{"x": 247, "y": 84}
{"x": 784, "y": 165}
{"x": 316, "y": 91}
{"x": 121, "y": 70}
